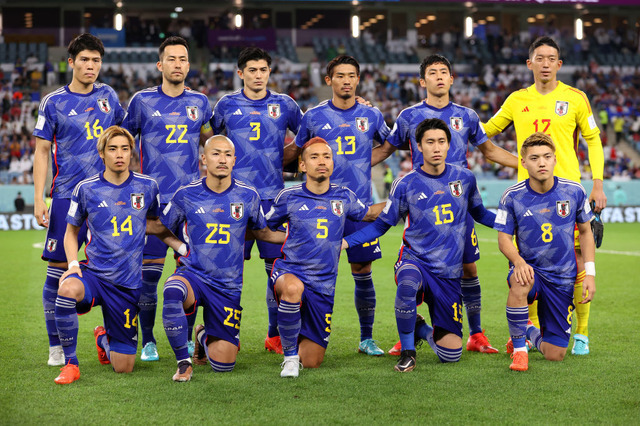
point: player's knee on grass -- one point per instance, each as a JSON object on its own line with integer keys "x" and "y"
{"x": 122, "y": 363}
{"x": 311, "y": 354}
{"x": 446, "y": 339}
{"x": 72, "y": 288}
{"x": 469, "y": 270}
{"x": 221, "y": 351}
{"x": 552, "y": 352}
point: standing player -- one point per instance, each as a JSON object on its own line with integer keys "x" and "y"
{"x": 304, "y": 279}
{"x": 434, "y": 200}
{"x": 350, "y": 129}
{"x": 170, "y": 121}
{"x": 115, "y": 205}
{"x": 70, "y": 120}
{"x": 256, "y": 120}
{"x": 216, "y": 211}
{"x": 542, "y": 212}
{"x": 464, "y": 124}
{"x": 551, "y": 107}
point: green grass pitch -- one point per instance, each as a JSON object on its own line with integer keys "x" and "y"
{"x": 349, "y": 387}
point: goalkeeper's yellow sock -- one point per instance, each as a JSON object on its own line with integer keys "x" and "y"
{"x": 582, "y": 310}
{"x": 533, "y": 314}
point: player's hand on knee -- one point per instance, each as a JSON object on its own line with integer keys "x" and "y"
{"x": 523, "y": 273}
{"x": 73, "y": 269}
{"x": 588, "y": 289}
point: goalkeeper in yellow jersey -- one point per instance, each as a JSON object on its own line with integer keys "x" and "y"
{"x": 561, "y": 111}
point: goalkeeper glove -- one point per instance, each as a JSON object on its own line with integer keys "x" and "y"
{"x": 597, "y": 227}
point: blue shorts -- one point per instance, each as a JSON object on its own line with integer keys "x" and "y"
{"x": 555, "y": 309}
{"x": 316, "y": 310}
{"x": 221, "y": 309}
{"x": 367, "y": 252}
{"x": 471, "y": 249}
{"x": 119, "y": 310}
{"x": 442, "y": 295}
{"x": 267, "y": 250}
{"x": 54, "y": 244}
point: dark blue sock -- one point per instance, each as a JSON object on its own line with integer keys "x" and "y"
{"x": 272, "y": 305}
{"x": 448, "y": 355}
{"x": 517, "y": 319}
{"x": 49, "y": 295}
{"x": 425, "y": 332}
{"x": 221, "y": 367}
{"x": 67, "y": 324}
{"x": 534, "y": 336}
{"x": 103, "y": 342}
{"x": 151, "y": 274}
{"x": 472, "y": 300}
{"x": 364, "y": 296}
{"x": 409, "y": 281}
{"x": 174, "y": 319}
{"x": 289, "y": 323}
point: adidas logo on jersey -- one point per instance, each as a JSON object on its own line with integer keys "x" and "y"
{"x": 303, "y": 208}
{"x": 528, "y": 213}
{"x": 238, "y": 112}
{"x": 326, "y": 127}
{"x": 200, "y": 210}
{"x": 526, "y": 109}
{"x": 72, "y": 113}
{"x": 422, "y": 196}
{"x": 156, "y": 114}
{"x": 103, "y": 204}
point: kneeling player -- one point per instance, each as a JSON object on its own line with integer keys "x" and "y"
{"x": 542, "y": 211}
{"x": 217, "y": 210}
{"x": 115, "y": 204}
{"x": 304, "y": 279}
{"x": 434, "y": 200}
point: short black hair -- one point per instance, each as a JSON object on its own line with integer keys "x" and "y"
{"x": 253, "y": 54}
{"x": 172, "y": 41}
{"x": 543, "y": 41}
{"x": 433, "y": 59}
{"x": 85, "y": 41}
{"x": 432, "y": 124}
{"x": 342, "y": 60}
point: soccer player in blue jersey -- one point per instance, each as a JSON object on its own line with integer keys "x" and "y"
{"x": 434, "y": 201}
{"x": 542, "y": 212}
{"x": 115, "y": 205}
{"x": 350, "y": 128}
{"x": 70, "y": 120}
{"x": 170, "y": 121}
{"x": 436, "y": 77}
{"x": 304, "y": 279}
{"x": 217, "y": 210}
{"x": 256, "y": 120}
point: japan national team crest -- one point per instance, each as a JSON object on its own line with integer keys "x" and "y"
{"x": 337, "y": 208}
{"x": 52, "y": 243}
{"x": 104, "y": 106}
{"x": 562, "y": 208}
{"x": 192, "y": 113}
{"x": 456, "y": 188}
{"x": 362, "y": 124}
{"x": 562, "y": 107}
{"x": 274, "y": 110}
{"x": 455, "y": 123}
{"x": 137, "y": 201}
{"x": 237, "y": 210}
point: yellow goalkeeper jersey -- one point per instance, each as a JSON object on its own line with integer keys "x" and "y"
{"x": 560, "y": 114}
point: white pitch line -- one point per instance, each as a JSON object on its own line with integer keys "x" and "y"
{"x": 622, "y": 253}
{"x": 38, "y": 246}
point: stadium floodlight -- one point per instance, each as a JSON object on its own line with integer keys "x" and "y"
{"x": 579, "y": 29}
{"x": 117, "y": 21}
{"x": 355, "y": 26}
{"x": 178, "y": 9}
{"x": 468, "y": 26}
{"x": 238, "y": 20}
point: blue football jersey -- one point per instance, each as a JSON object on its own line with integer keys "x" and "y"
{"x": 73, "y": 122}
{"x": 169, "y": 135}
{"x": 116, "y": 216}
{"x": 350, "y": 133}
{"x": 463, "y": 123}
{"x": 315, "y": 225}
{"x": 215, "y": 226}
{"x": 258, "y": 129}
{"x": 435, "y": 210}
{"x": 544, "y": 226}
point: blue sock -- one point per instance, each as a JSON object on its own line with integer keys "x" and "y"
{"x": 103, "y": 342}
{"x": 289, "y": 323}
{"x": 191, "y": 322}
{"x": 151, "y": 274}
{"x": 425, "y": 332}
{"x": 409, "y": 281}
{"x": 272, "y": 305}
{"x": 534, "y": 335}
{"x": 67, "y": 324}
{"x": 49, "y": 295}
{"x": 517, "y": 319}
{"x": 221, "y": 367}
{"x": 364, "y": 296}
{"x": 174, "y": 319}
{"x": 448, "y": 355}
{"x": 471, "y": 298}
